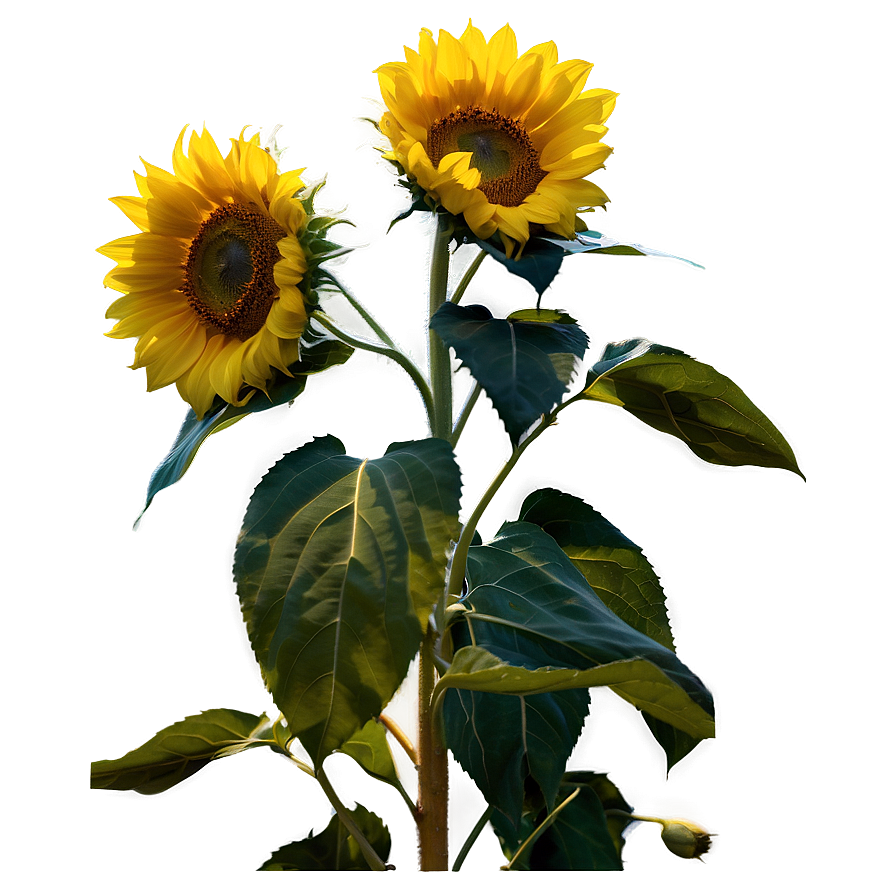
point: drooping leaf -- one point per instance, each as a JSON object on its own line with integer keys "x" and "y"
{"x": 334, "y": 849}
{"x": 338, "y": 565}
{"x": 640, "y": 681}
{"x": 538, "y": 265}
{"x": 613, "y": 565}
{"x": 318, "y": 355}
{"x": 670, "y": 391}
{"x": 182, "y": 749}
{"x": 370, "y": 749}
{"x": 676, "y": 744}
{"x": 523, "y": 363}
{"x": 591, "y": 241}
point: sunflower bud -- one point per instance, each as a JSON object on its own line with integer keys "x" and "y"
{"x": 685, "y": 838}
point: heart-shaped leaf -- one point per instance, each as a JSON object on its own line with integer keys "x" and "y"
{"x": 338, "y": 565}
{"x": 523, "y": 363}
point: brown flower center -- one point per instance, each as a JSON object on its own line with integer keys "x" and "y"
{"x": 229, "y": 271}
{"x": 502, "y": 151}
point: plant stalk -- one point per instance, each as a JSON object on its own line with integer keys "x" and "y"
{"x": 432, "y": 778}
{"x": 439, "y": 360}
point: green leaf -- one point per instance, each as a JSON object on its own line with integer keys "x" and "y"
{"x": 370, "y": 749}
{"x": 523, "y": 363}
{"x": 591, "y": 241}
{"x": 337, "y": 566}
{"x": 675, "y": 743}
{"x": 583, "y": 837}
{"x": 182, "y": 749}
{"x": 317, "y": 356}
{"x": 538, "y": 265}
{"x": 670, "y": 391}
{"x": 333, "y": 849}
{"x": 613, "y": 565}
{"x": 514, "y": 747}
{"x": 639, "y": 681}
{"x": 526, "y": 601}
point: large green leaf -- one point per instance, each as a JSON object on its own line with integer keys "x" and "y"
{"x": 182, "y": 749}
{"x": 612, "y": 564}
{"x": 319, "y": 354}
{"x": 670, "y": 391}
{"x": 370, "y": 749}
{"x": 523, "y": 363}
{"x": 338, "y": 565}
{"x": 333, "y": 849}
{"x": 527, "y": 600}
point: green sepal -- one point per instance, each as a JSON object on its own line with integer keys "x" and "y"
{"x": 670, "y": 391}
{"x": 337, "y": 566}
{"x": 613, "y": 565}
{"x": 319, "y": 352}
{"x": 334, "y": 849}
{"x": 182, "y": 749}
{"x": 524, "y": 363}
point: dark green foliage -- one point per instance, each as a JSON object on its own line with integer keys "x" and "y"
{"x": 523, "y": 363}
{"x": 337, "y": 567}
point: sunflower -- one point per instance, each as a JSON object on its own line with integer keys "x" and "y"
{"x": 212, "y": 281}
{"x": 502, "y": 139}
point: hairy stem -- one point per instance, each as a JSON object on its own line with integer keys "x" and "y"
{"x": 432, "y": 806}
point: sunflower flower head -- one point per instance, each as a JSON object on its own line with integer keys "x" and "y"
{"x": 502, "y": 139}
{"x": 218, "y": 282}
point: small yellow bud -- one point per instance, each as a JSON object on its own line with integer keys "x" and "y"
{"x": 685, "y": 838}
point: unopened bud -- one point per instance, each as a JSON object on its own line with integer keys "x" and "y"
{"x": 685, "y": 838}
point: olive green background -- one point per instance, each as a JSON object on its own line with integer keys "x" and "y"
{"x": 748, "y": 138}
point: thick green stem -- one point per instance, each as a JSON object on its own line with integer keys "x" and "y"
{"x": 432, "y": 806}
{"x": 439, "y": 359}
{"x": 393, "y": 353}
{"x": 375, "y": 862}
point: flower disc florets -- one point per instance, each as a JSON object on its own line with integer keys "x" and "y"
{"x": 217, "y": 282}
{"x": 502, "y": 139}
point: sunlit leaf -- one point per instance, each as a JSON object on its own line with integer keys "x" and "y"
{"x": 338, "y": 565}
{"x": 370, "y": 749}
{"x": 333, "y": 849}
{"x": 523, "y": 363}
{"x": 670, "y": 391}
{"x": 182, "y": 749}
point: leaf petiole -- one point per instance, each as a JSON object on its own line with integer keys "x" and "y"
{"x": 537, "y": 832}
{"x": 375, "y": 862}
